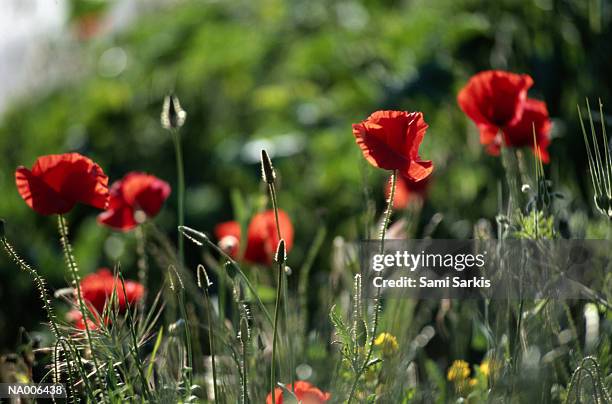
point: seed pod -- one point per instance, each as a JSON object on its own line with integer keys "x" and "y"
{"x": 172, "y": 116}
{"x": 267, "y": 170}
{"x": 281, "y": 252}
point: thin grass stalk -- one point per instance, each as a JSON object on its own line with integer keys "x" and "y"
{"x": 272, "y": 191}
{"x": 275, "y": 328}
{"x": 269, "y": 176}
{"x": 178, "y": 151}
{"x": 281, "y": 264}
{"x": 383, "y": 232}
{"x": 189, "y": 348}
{"x": 145, "y": 385}
{"x": 76, "y": 279}
{"x": 211, "y": 335}
{"x": 244, "y": 336}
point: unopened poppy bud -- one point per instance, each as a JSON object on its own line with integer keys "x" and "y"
{"x": 281, "y": 252}
{"x": 172, "y": 116}
{"x": 193, "y": 235}
{"x": 267, "y": 170}
{"x": 2, "y": 228}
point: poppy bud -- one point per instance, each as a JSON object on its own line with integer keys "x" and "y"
{"x": 172, "y": 116}
{"x": 197, "y": 237}
{"x": 267, "y": 170}
{"x": 281, "y": 253}
{"x": 2, "y": 228}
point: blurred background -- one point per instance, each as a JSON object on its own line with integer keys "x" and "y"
{"x": 288, "y": 76}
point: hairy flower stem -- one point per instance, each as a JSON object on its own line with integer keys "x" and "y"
{"x": 279, "y": 288}
{"x": 42, "y": 289}
{"x": 38, "y": 281}
{"x": 272, "y": 190}
{"x": 76, "y": 280}
{"x": 181, "y": 302}
{"x": 143, "y": 267}
{"x": 178, "y": 151}
{"x": 211, "y": 334}
{"x": 245, "y": 381}
{"x": 383, "y": 232}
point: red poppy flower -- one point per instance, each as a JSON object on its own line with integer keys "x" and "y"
{"x": 262, "y": 238}
{"x": 98, "y": 287}
{"x": 391, "y": 140}
{"x": 406, "y": 190}
{"x": 135, "y": 192}
{"x": 535, "y": 115}
{"x": 59, "y": 181}
{"x": 305, "y": 392}
{"x": 494, "y": 100}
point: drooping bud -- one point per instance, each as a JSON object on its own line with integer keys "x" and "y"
{"x": 267, "y": 170}
{"x": 201, "y": 271}
{"x": 172, "y": 116}
{"x": 281, "y": 252}
{"x": 2, "y": 233}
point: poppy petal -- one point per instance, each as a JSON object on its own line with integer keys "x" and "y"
{"x": 38, "y": 195}
{"x": 75, "y": 177}
{"x": 535, "y": 117}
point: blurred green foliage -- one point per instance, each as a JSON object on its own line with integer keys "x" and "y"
{"x": 292, "y": 76}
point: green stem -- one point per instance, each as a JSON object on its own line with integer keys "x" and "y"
{"x": 76, "y": 280}
{"x": 245, "y": 382}
{"x": 178, "y": 150}
{"x": 272, "y": 190}
{"x": 181, "y": 302}
{"x": 383, "y": 232}
{"x": 275, "y": 333}
{"x": 143, "y": 267}
{"x": 211, "y": 341}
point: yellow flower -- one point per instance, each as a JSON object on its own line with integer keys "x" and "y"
{"x": 458, "y": 372}
{"x": 485, "y": 368}
{"x": 473, "y": 382}
{"x": 387, "y": 342}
